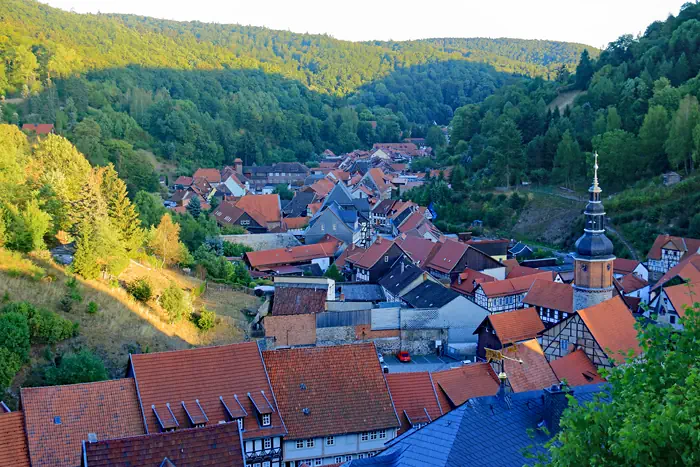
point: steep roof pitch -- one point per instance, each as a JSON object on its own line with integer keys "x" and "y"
{"x": 414, "y": 397}
{"x": 349, "y": 251}
{"x": 59, "y": 418}
{"x": 687, "y": 269}
{"x": 342, "y": 387}
{"x": 399, "y": 277}
{"x": 683, "y": 295}
{"x": 552, "y": 295}
{"x": 430, "y": 294}
{"x": 267, "y": 205}
{"x": 467, "y": 281}
{"x": 298, "y": 301}
{"x": 14, "y": 452}
{"x": 369, "y": 257}
{"x": 517, "y": 325}
{"x": 576, "y": 368}
{"x": 631, "y": 283}
{"x": 297, "y": 254}
{"x": 228, "y": 213}
{"x": 296, "y": 222}
{"x": 685, "y": 245}
{"x": 534, "y": 372}
{"x": 210, "y": 175}
{"x": 625, "y": 266}
{"x": 378, "y": 179}
{"x": 225, "y": 380}
{"x": 322, "y": 187}
{"x": 612, "y": 326}
{"x": 448, "y": 255}
{"x": 513, "y": 286}
{"x": 209, "y": 446}
{"x": 520, "y": 271}
{"x": 412, "y": 222}
{"x": 183, "y": 180}
{"x": 457, "y": 385}
{"x": 419, "y": 249}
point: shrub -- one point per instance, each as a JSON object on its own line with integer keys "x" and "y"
{"x": 14, "y": 334}
{"x": 174, "y": 302}
{"x": 141, "y": 289}
{"x": 46, "y": 327}
{"x": 66, "y": 303}
{"x": 81, "y": 367}
{"x": 10, "y": 364}
{"x": 5, "y": 297}
{"x": 92, "y": 308}
{"x": 206, "y": 319}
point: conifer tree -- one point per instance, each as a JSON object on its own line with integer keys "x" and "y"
{"x": 194, "y": 207}
{"x": 85, "y": 258}
{"x": 121, "y": 211}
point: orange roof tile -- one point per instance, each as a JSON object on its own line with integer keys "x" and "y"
{"x": 467, "y": 281}
{"x": 552, "y": 295}
{"x": 510, "y": 264}
{"x": 513, "y": 286}
{"x": 685, "y": 245}
{"x": 576, "y": 368}
{"x": 322, "y": 187}
{"x": 369, "y": 257}
{"x": 14, "y": 452}
{"x": 210, "y": 175}
{"x": 59, "y": 418}
{"x": 39, "y": 128}
{"x": 683, "y": 295}
{"x": 625, "y": 266}
{"x": 297, "y": 254}
{"x": 342, "y": 387}
{"x": 377, "y": 176}
{"x": 631, "y": 283}
{"x": 296, "y": 222}
{"x": 517, "y": 325}
{"x": 612, "y": 326}
{"x": 268, "y": 206}
{"x": 520, "y": 271}
{"x": 533, "y": 373}
{"x": 215, "y": 445}
{"x": 687, "y": 269}
{"x": 412, "y": 222}
{"x": 224, "y": 379}
{"x": 414, "y": 397}
{"x": 457, "y": 385}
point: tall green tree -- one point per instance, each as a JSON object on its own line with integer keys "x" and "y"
{"x": 509, "y": 156}
{"x": 85, "y": 258}
{"x": 680, "y": 144}
{"x": 150, "y": 208}
{"x": 120, "y": 210}
{"x": 568, "y": 162}
{"x": 584, "y": 70}
{"x": 653, "y": 136}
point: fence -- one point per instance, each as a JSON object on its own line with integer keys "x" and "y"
{"x": 331, "y": 319}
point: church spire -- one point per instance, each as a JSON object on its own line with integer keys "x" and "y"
{"x": 595, "y": 174}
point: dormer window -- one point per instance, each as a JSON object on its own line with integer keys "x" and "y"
{"x": 266, "y": 419}
{"x": 240, "y": 423}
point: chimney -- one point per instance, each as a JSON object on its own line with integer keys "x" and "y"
{"x": 238, "y": 164}
{"x": 555, "y": 402}
{"x": 342, "y": 297}
{"x": 502, "y": 379}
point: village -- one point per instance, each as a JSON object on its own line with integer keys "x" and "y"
{"x": 379, "y": 338}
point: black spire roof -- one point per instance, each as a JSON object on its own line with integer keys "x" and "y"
{"x": 593, "y": 244}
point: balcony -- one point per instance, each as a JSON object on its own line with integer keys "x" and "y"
{"x": 263, "y": 455}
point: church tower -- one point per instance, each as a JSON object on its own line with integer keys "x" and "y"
{"x": 593, "y": 261}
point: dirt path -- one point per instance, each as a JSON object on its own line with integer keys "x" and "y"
{"x": 616, "y": 233}
{"x": 564, "y": 99}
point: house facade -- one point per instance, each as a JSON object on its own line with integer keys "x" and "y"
{"x": 667, "y": 252}
{"x": 371, "y": 264}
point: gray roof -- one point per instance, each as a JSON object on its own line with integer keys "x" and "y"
{"x": 485, "y": 431}
{"x": 265, "y": 241}
{"x": 397, "y": 279}
{"x": 297, "y": 206}
{"x": 363, "y": 292}
{"x": 430, "y": 294}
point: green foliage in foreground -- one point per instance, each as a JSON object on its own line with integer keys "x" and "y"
{"x": 81, "y": 367}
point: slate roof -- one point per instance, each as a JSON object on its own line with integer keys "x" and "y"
{"x": 342, "y": 387}
{"x": 685, "y": 245}
{"x": 467, "y": 281}
{"x": 414, "y": 397}
{"x": 429, "y": 294}
{"x": 456, "y": 385}
{"x": 612, "y": 326}
{"x": 466, "y": 436}
{"x": 215, "y": 445}
{"x": 298, "y": 205}
{"x": 398, "y": 277}
{"x": 552, "y": 295}
{"x": 383, "y": 207}
{"x": 298, "y": 301}
{"x": 362, "y": 292}
{"x": 223, "y": 379}
{"x": 576, "y": 368}
{"x": 14, "y": 452}
{"x": 59, "y": 418}
{"x": 515, "y": 326}
{"x": 534, "y": 372}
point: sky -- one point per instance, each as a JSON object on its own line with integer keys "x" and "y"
{"x": 592, "y": 22}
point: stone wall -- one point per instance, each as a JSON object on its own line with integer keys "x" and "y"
{"x": 419, "y": 342}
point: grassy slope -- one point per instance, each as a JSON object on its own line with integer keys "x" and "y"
{"x": 122, "y": 324}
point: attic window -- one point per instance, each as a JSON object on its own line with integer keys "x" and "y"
{"x": 227, "y": 218}
{"x": 386, "y": 259}
{"x": 266, "y": 419}
{"x": 57, "y": 420}
{"x": 166, "y": 419}
{"x": 92, "y": 437}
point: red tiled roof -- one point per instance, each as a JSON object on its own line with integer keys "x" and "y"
{"x": 510, "y": 264}
{"x": 298, "y": 301}
{"x": 210, "y": 175}
{"x": 268, "y": 206}
{"x": 228, "y": 209}
{"x": 296, "y": 222}
{"x": 39, "y": 129}
{"x": 552, "y": 295}
{"x": 293, "y": 255}
{"x": 630, "y": 283}
{"x": 289, "y": 330}
{"x": 378, "y": 177}
{"x": 515, "y": 326}
{"x": 612, "y": 326}
{"x": 222, "y": 379}
{"x": 419, "y": 249}
{"x": 322, "y": 187}
{"x": 624, "y": 266}
{"x": 687, "y": 269}
{"x": 59, "y": 418}
{"x": 414, "y": 397}
{"x": 447, "y": 256}
{"x": 341, "y": 175}
{"x": 514, "y": 286}
{"x": 576, "y": 368}
{"x": 685, "y": 245}
{"x": 683, "y": 295}
{"x": 355, "y": 180}
{"x": 533, "y": 373}
{"x": 215, "y": 445}
{"x": 14, "y": 452}
{"x": 457, "y": 385}
{"x": 447, "y": 173}
{"x": 369, "y": 257}
{"x": 342, "y": 387}
{"x": 411, "y": 222}
{"x": 521, "y": 271}
{"x": 347, "y": 252}
{"x": 399, "y": 167}
{"x": 467, "y": 281}
{"x": 183, "y": 180}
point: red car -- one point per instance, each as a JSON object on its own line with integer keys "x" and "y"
{"x": 404, "y": 356}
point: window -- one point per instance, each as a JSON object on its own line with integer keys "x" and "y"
{"x": 318, "y": 461}
{"x": 386, "y": 259}
{"x": 564, "y": 345}
{"x": 348, "y": 458}
{"x": 360, "y": 456}
{"x": 266, "y": 464}
{"x": 300, "y": 444}
{"x": 267, "y": 443}
{"x": 323, "y": 228}
{"x": 227, "y": 218}
{"x": 310, "y": 443}
{"x": 330, "y": 440}
{"x": 245, "y": 222}
{"x": 257, "y": 464}
{"x": 266, "y": 419}
{"x": 240, "y": 423}
{"x": 338, "y": 459}
{"x": 364, "y": 436}
{"x": 672, "y": 319}
{"x": 382, "y": 434}
{"x": 335, "y": 226}
{"x": 373, "y": 435}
